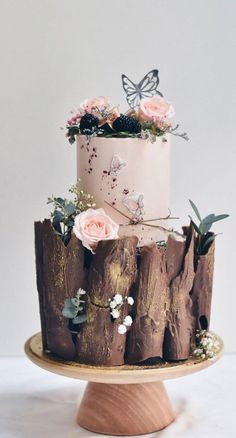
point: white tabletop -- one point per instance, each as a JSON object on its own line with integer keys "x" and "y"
{"x": 37, "y": 404}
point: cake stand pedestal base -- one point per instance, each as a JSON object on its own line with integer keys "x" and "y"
{"x": 132, "y": 409}
{"x": 121, "y": 400}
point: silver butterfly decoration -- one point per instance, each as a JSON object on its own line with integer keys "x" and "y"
{"x": 147, "y": 87}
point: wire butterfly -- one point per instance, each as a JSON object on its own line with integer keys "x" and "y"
{"x": 147, "y": 87}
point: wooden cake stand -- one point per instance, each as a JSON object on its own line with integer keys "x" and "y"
{"x": 122, "y": 400}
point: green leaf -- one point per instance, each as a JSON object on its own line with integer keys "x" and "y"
{"x": 206, "y": 223}
{"x": 79, "y": 319}
{"x": 75, "y": 302}
{"x": 58, "y": 216}
{"x": 60, "y": 201}
{"x": 207, "y": 242}
{"x": 195, "y": 226}
{"x": 70, "y": 208}
{"x": 220, "y": 217}
{"x": 195, "y": 209}
{"x": 72, "y": 139}
{"x": 69, "y": 310}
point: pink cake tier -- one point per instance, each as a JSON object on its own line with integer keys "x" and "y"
{"x": 130, "y": 179}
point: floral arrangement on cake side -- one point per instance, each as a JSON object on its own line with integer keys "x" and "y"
{"x": 148, "y": 117}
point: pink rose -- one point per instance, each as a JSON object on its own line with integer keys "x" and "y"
{"x": 95, "y": 105}
{"x": 75, "y": 119}
{"x": 91, "y": 226}
{"x": 155, "y": 109}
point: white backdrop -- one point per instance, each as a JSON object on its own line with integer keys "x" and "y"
{"x": 55, "y": 53}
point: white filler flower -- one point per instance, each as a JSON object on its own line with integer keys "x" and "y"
{"x": 128, "y": 321}
{"x": 130, "y": 301}
{"x": 115, "y": 313}
{"x": 122, "y": 329}
{"x": 118, "y": 299}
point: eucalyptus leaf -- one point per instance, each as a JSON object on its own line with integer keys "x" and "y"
{"x": 60, "y": 201}
{"x": 75, "y": 301}
{"x": 69, "y": 312}
{"x": 70, "y": 208}
{"x": 58, "y": 216}
{"x": 57, "y": 227}
{"x": 195, "y": 209}
{"x": 79, "y": 319}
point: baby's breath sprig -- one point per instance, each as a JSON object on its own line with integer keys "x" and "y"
{"x": 116, "y": 304}
{"x": 82, "y": 200}
{"x": 207, "y": 345}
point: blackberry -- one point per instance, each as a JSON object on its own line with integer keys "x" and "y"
{"x": 107, "y": 129}
{"x": 88, "y": 123}
{"x": 127, "y": 124}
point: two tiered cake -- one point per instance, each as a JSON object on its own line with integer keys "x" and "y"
{"x": 116, "y": 284}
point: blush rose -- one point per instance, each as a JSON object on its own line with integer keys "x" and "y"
{"x": 94, "y": 105}
{"x": 91, "y": 226}
{"x": 155, "y": 109}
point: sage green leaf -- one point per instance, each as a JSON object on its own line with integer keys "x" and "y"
{"x": 207, "y": 242}
{"x": 208, "y": 219}
{"x": 75, "y": 301}
{"x": 195, "y": 226}
{"x": 70, "y": 208}
{"x": 195, "y": 209}
{"x": 58, "y": 216}
{"x": 206, "y": 223}
{"x": 72, "y": 139}
{"x": 69, "y": 310}
{"x": 60, "y": 201}
{"x": 220, "y": 217}
{"x": 79, "y": 319}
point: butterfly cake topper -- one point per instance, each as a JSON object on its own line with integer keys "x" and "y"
{"x": 147, "y": 87}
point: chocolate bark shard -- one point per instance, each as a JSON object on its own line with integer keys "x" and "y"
{"x": 112, "y": 270}
{"x": 145, "y": 339}
{"x": 180, "y": 321}
{"x": 201, "y": 294}
{"x": 60, "y": 273}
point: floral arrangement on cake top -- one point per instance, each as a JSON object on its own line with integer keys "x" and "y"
{"x": 148, "y": 117}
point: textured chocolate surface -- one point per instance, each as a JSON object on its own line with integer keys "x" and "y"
{"x": 59, "y": 274}
{"x": 112, "y": 271}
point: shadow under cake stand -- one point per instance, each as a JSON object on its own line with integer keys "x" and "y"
{"x": 121, "y": 400}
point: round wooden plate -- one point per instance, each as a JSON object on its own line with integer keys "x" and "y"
{"x": 124, "y": 374}
{"x": 121, "y": 400}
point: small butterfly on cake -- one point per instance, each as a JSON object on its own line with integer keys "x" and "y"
{"x": 135, "y": 205}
